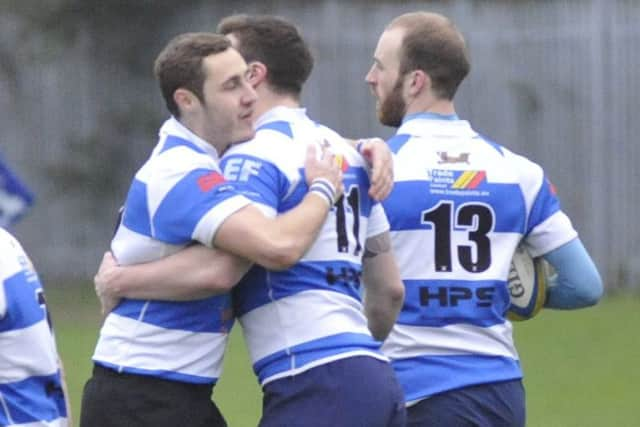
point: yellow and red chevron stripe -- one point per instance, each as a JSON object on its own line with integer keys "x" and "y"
{"x": 341, "y": 162}
{"x": 469, "y": 180}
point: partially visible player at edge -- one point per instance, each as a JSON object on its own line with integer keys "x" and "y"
{"x": 156, "y": 362}
{"x": 32, "y": 387}
{"x": 309, "y": 335}
{"x": 459, "y": 207}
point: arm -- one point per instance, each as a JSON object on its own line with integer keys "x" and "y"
{"x": 278, "y": 243}
{"x": 577, "y": 283}
{"x": 198, "y": 272}
{"x": 384, "y": 290}
{"x": 192, "y": 273}
{"x": 379, "y": 157}
{"x": 65, "y": 390}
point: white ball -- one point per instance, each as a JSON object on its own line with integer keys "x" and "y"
{"x": 527, "y": 283}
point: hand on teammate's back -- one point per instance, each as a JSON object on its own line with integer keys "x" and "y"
{"x": 378, "y": 155}
{"x": 324, "y": 167}
{"x": 102, "y": 280}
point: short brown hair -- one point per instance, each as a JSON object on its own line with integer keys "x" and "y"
{"x": 434, "y": 45}
{"x": 276, "y": 43}
{"x": 179, "y": 64}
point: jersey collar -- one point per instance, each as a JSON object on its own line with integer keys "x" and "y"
{"x": 173, "y": 127}
{"x": 430, "y": 116}
{"x": 281, "y": 113}
{"x": 448, "y": 125}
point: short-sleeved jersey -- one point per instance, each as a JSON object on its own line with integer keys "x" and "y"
{"x": 459, "y": 207}
{"x": 31, "y": 392}
{"x": 178, "y": 196}
{"x": 311, "y": 313}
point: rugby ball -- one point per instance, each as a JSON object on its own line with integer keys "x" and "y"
{"x": 527, "y": 282}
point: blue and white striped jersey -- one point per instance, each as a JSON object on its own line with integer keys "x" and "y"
{"x": 31, "y": 392}
{"x": 310, "y": 314}
{"x": 459, "y": 207}
{"x": 177, "y": 197}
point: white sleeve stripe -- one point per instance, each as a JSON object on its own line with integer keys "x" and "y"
{"x": 208, "y": 225}
{"x": 377, "y": 222}
{"x": 554, "y": 232}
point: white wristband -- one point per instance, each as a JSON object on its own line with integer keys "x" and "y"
{"x": 323, "y": 187}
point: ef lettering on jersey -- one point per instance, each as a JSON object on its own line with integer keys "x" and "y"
{"x": 209, "y": 181}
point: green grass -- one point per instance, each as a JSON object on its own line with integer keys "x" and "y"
{"x": 581, "y": 368}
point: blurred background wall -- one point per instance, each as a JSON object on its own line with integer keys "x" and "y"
{"x": 557, "y": 81}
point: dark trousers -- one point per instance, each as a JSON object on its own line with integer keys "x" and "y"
{"x": 111, "y": 399}
{"x": 500, "y": 404}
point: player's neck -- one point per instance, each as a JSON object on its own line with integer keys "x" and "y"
{"x": 268, "y": 100}
{"x": 436, "y": 106}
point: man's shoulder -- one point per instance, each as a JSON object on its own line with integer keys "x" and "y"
{"x": 175, "y": 161}
{"x": 265, "y": 146}
{"x": 271, "y": 146}
{"x": 13, "y": 259}
{"x": 9, "y": 245}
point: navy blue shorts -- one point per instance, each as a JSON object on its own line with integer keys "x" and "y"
{"x": 354, "y": 392}
{"x": 500, "y": 404}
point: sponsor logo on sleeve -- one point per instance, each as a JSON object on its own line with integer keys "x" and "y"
{"x": 209, "y": 181}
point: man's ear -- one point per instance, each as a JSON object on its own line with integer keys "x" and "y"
{"x": 185, "y": 99}
{"x": 257, "y": 73}
{"x": 419, "y": 81}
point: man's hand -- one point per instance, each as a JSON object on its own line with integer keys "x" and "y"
{"x": 324, "y": 168}
{"x": 378, "y": 155}
{"x": 103, "y": 282}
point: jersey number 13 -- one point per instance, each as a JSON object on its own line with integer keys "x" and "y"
{"x": 476, "y": 220}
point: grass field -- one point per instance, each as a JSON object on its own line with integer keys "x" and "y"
{"x": 582, "y": 369}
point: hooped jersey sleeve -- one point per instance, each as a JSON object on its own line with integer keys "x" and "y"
{"x": 548, "y": 227}
{"x": 257, "y": 179}
{"x": 178, "y": 196}
{"x": 258, "y": 172}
